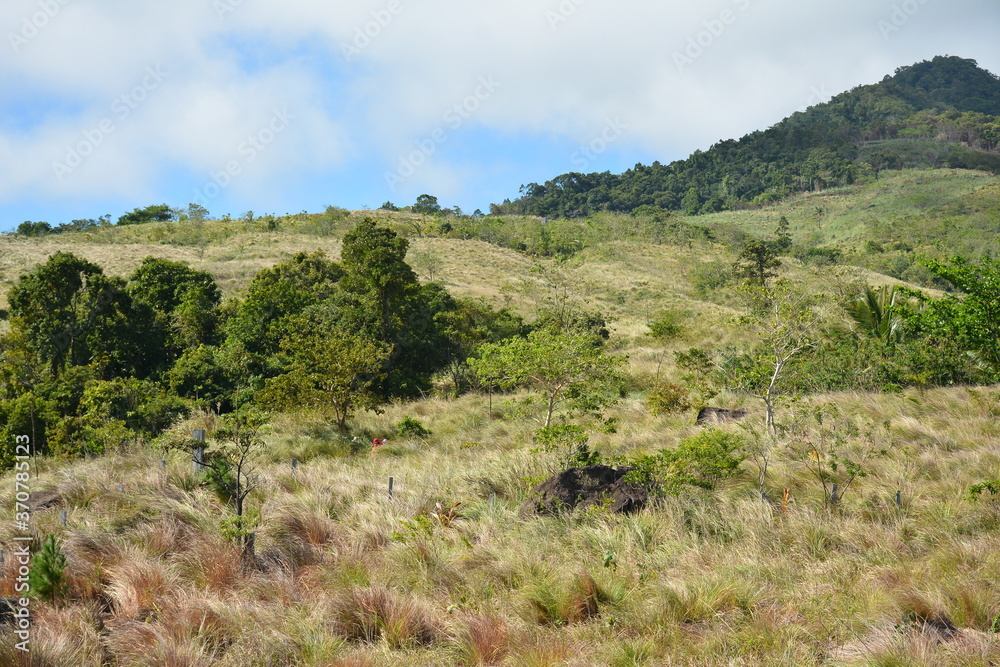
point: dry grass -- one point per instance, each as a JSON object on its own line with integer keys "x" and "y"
{"x": 344, "y": 576}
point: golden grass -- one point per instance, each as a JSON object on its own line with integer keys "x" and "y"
{"x": 346, "y": 576}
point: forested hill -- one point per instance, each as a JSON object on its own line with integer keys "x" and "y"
{"x": 939, "y": 113}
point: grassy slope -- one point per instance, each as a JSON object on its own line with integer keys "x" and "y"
{"x": 706, "y": 580}
{"x": 900, "y": 206}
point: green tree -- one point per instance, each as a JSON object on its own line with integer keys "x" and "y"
{"x": 154, "y": 213}
{"x": 231, "y": 468}
{"x": 182, "y": 305}
{"x": 785, "y": 324}
{"x": 374, "y": 261}
{"x": 331, "y": 371}
{"x": 201, "y": 376}
{"x": 47, "y": 578}
{"x": 470, "y": 325}
{"x": 872, "y": 312}
{"x": 563, "y": 368}
{"x": 197, "y": 213}
{"x": 691, "y": 203}
{"x": 275, "y": 296}
{"x": 427, "y": 204}
{"x": 783, "y": 236}
{"x": 71, "y": 314}
{"x": 974, "y": 318}
{"x": 756, "y": 263}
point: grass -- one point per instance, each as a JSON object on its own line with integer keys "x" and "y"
{"x": 715, "y": 578}
{"x": 343, "y": 576}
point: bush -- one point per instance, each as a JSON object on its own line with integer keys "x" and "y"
{"x": 668, "y": 398}
{"x": 666, "y": 325}
{"x": 569, "y": 439}
{"x": 702, "y": 461}
{"x": 410, "y": 427}
{"x": 46, "y": 578}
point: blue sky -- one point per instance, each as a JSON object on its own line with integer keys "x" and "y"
{"x": 279, "y": 107}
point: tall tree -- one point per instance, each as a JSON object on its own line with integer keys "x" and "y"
{"x": 71, "y": 314}
{"x": 329, "y": 369}
{"x": 374, "y": 259}
{"x": 757, "y": 263}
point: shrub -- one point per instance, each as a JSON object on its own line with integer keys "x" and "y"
{"x": 668, "y": 398}
{"x": 703, "y": 460}
{"x": 47, "y": 579}
{"x": 410, "y": 427}
{"x": 569, "y": 439}
{"x": 666, "y": 325}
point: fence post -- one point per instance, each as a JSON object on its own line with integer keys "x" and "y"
{"x": 198, "y": 462}
{"x": 250, "y": 546}
{"x": 295, "y": 465}
{"x": 833, "y": 495}
{"x": 391, "y": 480}
{"x": 899, "y": 499}
{"x": 64, "y": 517}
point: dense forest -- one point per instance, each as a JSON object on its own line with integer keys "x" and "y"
{"x": 942, "y": 112}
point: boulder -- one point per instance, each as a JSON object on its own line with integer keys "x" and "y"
{"x": 596, "y": 485}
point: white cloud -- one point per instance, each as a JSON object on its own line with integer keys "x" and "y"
{"x": 565, "y": 68}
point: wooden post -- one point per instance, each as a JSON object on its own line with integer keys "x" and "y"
{"x": 391, "y": 480}
{"x": 899, "y": 499}
{"x": 295, "y": 465}
{"x": 833, "y": 495}
{"x": 198, "y": 462}
{"x": 63, "y": 517}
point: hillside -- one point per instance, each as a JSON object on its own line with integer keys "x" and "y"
{"x": 938, "y": 113}
{"x": 450, "y": 572}
{"x": 451, "y": 569}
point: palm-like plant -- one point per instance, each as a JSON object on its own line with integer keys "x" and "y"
{"x": 873, "y": 313}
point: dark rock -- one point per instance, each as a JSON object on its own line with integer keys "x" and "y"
{"x": 719, "y": 415}
{"x": 596, "y": 485}
{"x": 40, "y": 500}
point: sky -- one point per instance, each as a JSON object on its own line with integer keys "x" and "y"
{"x": 283, "y": 107}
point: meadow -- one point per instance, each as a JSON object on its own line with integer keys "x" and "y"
{"x": 902, "y": 569}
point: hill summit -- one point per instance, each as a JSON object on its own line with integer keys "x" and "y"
{"x": 939, "y": 113}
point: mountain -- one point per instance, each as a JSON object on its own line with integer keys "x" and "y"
{"x": 939, "y": 113}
